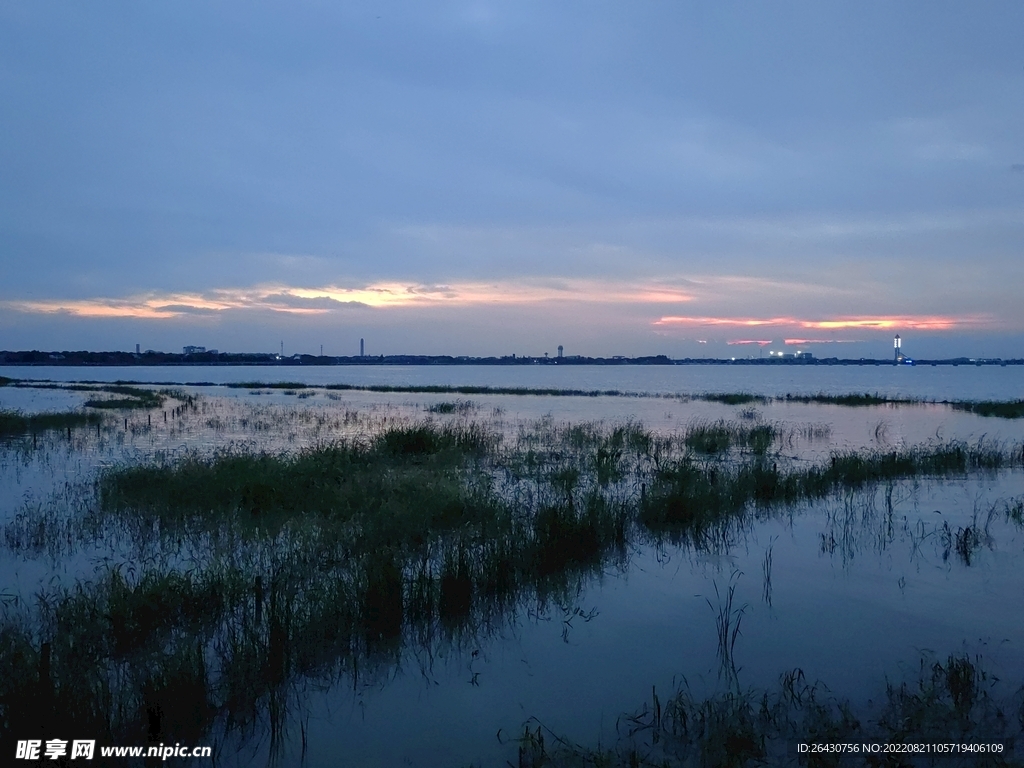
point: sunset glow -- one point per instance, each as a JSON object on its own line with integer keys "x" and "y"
{"x": 914, "y": 322}
{"x": 326, "y": 299}
{"x": 823, "y": 341}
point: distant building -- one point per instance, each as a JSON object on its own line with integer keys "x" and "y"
{"x": 194, "y": 350}
{"x": 137, "y": 347}
{"x": 900, "y": 358}
{"x": 362, "y": 349}
{"x": 559, "y": 351}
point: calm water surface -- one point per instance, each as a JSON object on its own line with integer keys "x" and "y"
{"x": 926, "y": 382}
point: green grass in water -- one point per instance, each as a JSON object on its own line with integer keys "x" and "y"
{"x": 15, "y": 423}
{"x": 1000, "y": 409}
{"x": 733, "y": 398}
{"x": 692, "y": 496}
{"x": 132, "y": 397}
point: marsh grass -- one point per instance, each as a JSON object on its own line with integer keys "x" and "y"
{"x": 727, "y": 624}
{"x": 718, "y": 437}
{"x": 733, "y": 398}
{"x": 689, "y": 495}
{"x": 1013, "y": 409}
{"x": 130, "y": 396}
{"x": 1014, "y": 511}
{"x": 15, "y": 423}
{"x": 951, "y": 701}
{"x": 852, "y": 400}
{"x": 405, "y": 485}
{"x": 461, "y": 407}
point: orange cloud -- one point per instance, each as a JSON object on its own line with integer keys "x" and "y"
{"x": 894, "y": 322}
{"x": 321, "y": 300}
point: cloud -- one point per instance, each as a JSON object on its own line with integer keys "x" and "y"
{"x": 795, "y": 342}
{"x": 381, "y": 295}
{"x": 916, "y": 322}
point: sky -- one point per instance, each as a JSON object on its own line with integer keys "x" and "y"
{"x": 482, "y": 178}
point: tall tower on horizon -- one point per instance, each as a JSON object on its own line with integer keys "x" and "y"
{"x": 362, "y": 349}
{"x": 897, "y": 344}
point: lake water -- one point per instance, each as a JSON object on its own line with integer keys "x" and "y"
{"x": 926, "y": 382}
{"x": 860, "y": 586}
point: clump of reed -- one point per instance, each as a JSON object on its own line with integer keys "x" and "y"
{"x": 719, "y": 436}
{"x": 852, "y": 400}
{"x": 732, "y": 398}
{"x": 131, "y": 397}
{"x": 1014, "y": 510}
{"x": 692, "y": 495}
{"x": 406, "y": 483}
{"x": 461, "y": 407}
{"x": 1013, "y": 409}
{"x": 1004, "y": 409}
{"x": 117, "y": 657}
{"x": 15, "y": 423}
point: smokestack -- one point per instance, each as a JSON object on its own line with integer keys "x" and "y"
{"x": 362, "y": 351}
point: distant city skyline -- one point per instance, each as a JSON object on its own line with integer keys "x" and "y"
{"x": 483, "y": 178}
{"x": 736, "y": 350}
